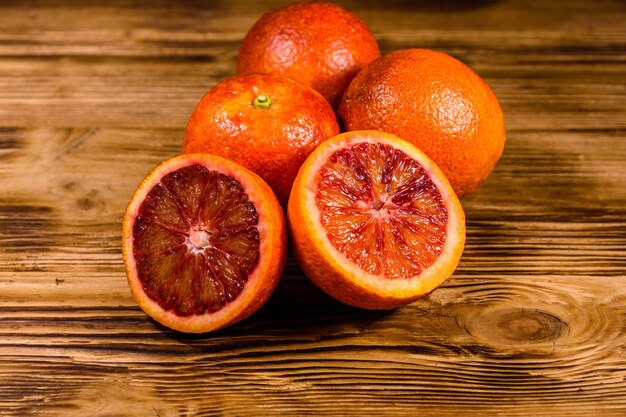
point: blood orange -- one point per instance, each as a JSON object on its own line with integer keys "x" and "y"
{"x": 374, "y": 221}
{"x": 203, "y": 242}
{"x": 435, "y": 102}
{"x": 267, "y": 123}
{"x": 319, "y": 44}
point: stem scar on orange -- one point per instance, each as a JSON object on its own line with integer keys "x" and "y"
{"x": 374, "y": 222}
{"x": 204, "y": 243}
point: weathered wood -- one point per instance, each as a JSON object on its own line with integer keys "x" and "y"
{"x": 533, "y": 322}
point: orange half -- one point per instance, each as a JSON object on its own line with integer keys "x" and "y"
{"x": 203, "y": 242}
{"x": 374, "y": 222}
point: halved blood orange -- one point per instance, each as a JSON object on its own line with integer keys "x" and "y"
{"x": 204, "y": 243}
{"x": 374, "y": 222}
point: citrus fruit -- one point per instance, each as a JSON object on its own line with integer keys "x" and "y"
{"x": 203, "y": 243}
{"x": 267, "y": 123}
{"x": 320, "y": 44}
{"x": 435, "y": 102}
{"x": 374, "y": 222}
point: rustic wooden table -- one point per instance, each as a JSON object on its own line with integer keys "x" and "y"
{"x": 533, "y": 322}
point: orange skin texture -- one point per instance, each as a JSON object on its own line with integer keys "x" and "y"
{"x": 437, "y": 103}
{"x": 271, "y": 142}
{"x": 334, "y": 273}
{"x": 261, "y": 282}
{"x": 318, "y": 44}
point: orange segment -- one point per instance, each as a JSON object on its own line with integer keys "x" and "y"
{"x": 204, "y": 243}
{"x": 374, "y": 222}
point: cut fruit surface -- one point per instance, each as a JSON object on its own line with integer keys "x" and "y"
{"x": 381, "y": 209}
{"x": 374, "y": 222}
{"x": 204, "y": 243}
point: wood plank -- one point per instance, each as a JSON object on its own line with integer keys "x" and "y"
{"x": 564, "y": 352}
{"x": 99, "y": 92}
{"x": 64, "y": 192}
{"x": 120, "y": 68}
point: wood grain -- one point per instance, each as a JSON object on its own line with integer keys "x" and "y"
{"x": 533, "y": 322}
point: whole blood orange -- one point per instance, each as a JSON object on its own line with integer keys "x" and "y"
{"x": 374, "y": 222}
{"x": 435, "y": 102}
{"x": 320, "y": 44}
{"x": 204, "y": 243}
{"x": 267, "y": 123}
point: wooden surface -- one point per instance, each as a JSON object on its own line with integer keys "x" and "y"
{"x": 533, "y": 322}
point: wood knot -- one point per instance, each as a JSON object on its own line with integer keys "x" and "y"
{"x": 517, "y": 328}
{"x": 528, "y": 326}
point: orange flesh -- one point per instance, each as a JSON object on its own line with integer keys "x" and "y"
{"x": 381, "y": 210}
{"x": 195, "y": 241}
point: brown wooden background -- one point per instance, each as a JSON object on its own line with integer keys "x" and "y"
{"x": 94, "y": 94}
